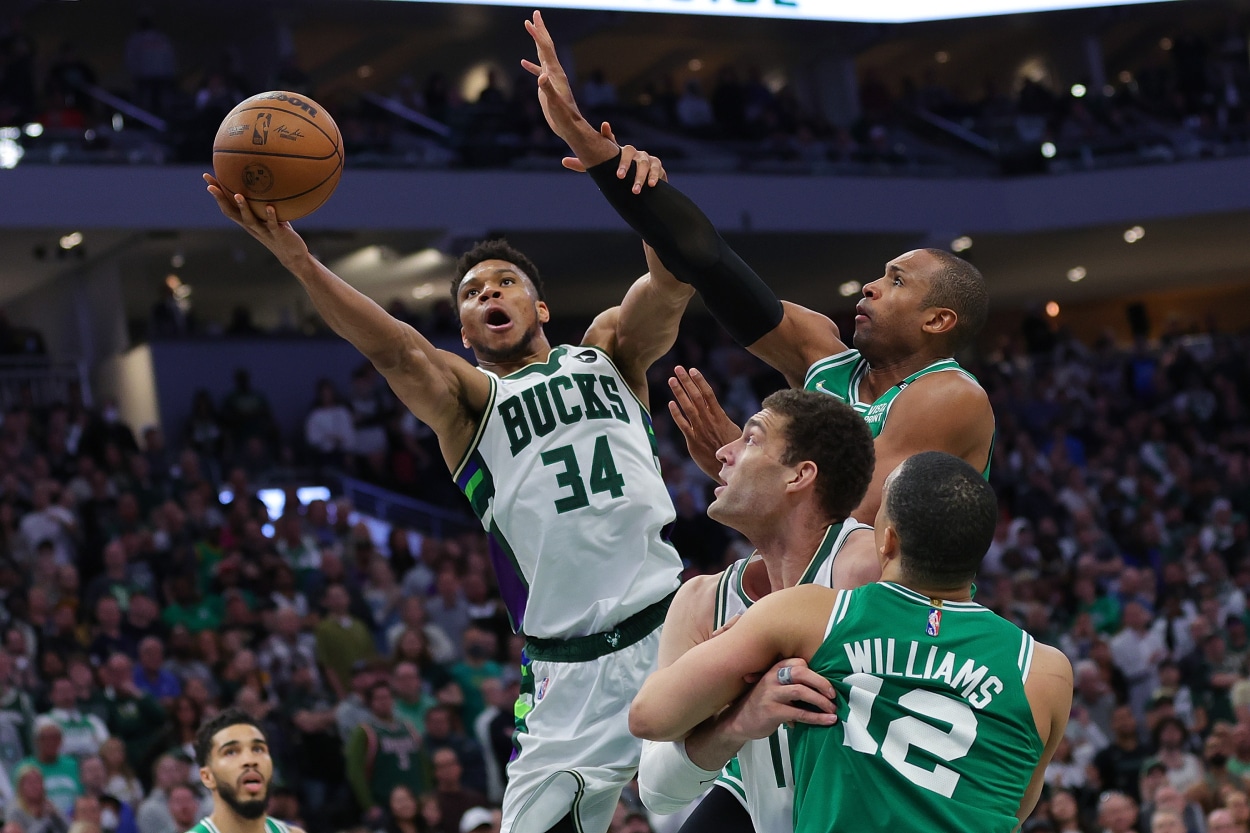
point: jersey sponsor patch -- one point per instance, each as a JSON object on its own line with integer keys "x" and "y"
{"x": 934, "y": 625}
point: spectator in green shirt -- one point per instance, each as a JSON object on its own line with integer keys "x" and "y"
{"x": 60, "y": 772}
{"x": 189, "y": 610}
{"x": 342, "y": 640}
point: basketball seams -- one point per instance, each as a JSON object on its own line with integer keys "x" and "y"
{"x": 276, "y": 155}
{"x": 332, "y": 140}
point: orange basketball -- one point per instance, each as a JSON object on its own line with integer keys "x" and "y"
{"x": 280, "y": 149}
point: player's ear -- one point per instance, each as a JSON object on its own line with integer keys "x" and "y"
{"x": 544, "y": 314}
{"x": 804, "y": 476}
{"x": 207, "y": 779}
{"x": 888, "y": 551}
{"x": 464, "y": 339}
{"x": 940, "y": 320}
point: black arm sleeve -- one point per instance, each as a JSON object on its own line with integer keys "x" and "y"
{"x": 694, "y": 252}
{"x": 719, "y": 811}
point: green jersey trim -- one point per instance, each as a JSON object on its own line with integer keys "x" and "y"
{"x": 958, "y": 607}
{"x": 548, "y": 366}
{"x": 481, "y": 427}
{"x": 1027, "y": 645}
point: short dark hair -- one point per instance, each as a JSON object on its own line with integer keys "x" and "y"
{"x": 944, "y": 513}
{"x": 209, "y": 729}
{"x": 828, "y": 432}
{"x": 498, "y": 249}
{"x": 958, "y": 285}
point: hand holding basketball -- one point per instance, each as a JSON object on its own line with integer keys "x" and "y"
{"x": 281, "y": 149}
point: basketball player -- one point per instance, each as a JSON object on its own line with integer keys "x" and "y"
{"x": 948, "y": 713}
{"x": 554, "y": 449}
{"x": 236, "y": 768}
{"x": 908, "y": 325}
{"x": 791, "y": 480}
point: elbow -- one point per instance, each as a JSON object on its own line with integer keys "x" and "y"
{"x": 647, "y": 722}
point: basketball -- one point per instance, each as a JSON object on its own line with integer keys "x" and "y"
{"x": 281, "y": 149}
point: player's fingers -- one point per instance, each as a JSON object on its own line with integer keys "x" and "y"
{"x": 701, "y": 383}
{"x": 531, "y": 67}
{"x": 679, "y": 419}
{"x": 727, "y": 625}
{"x": 573, "y": 164}
{"x": 807, "y": 680}
{"x": 628, "y": 152}
{"x": 796, "y": 715}
{"x": 657, "y": 172}
{"x": 796, "y": 695}
{"x": 680, "y": 393}
{"x": 644, "y": 161}
{"x": 605, "y": 130}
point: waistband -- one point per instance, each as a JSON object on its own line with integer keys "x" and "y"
{"x": 595, "y": 645}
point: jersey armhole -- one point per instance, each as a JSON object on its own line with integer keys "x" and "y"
{"x": 1025, "y": 660}
{"x": 840, "y": 604}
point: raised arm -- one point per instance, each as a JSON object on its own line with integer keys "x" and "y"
{"x": 683, "y": 236}
{"x": 440, "y": 388}
{"x": 644, "y": 326}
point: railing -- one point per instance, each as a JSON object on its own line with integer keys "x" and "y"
{"x": 39, "y": 382}
{"x": 400, "y": 510}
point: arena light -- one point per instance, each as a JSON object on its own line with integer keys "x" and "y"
{"x": 1076, "y": 274}
{"x": 883, "y": 11}
{"x": 1078, "y": 91}
{"x": 1052, "y": 309}
{"x": 849, "y": 288}
{"x": 1134, "y": 234}
{"x": 71, "y": 240}
{"x": 961, "y": 244}
{"x": 942, "y": 57}
{"x": 10, "y": 153}
{"x": 1048, "y": 150}
{"x": 34, "y": 130}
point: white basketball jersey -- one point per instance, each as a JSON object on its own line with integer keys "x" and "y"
{"x": 761, "y": 776}
{"x": 564, "y": 474}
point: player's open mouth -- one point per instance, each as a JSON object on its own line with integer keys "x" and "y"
{"x": 253, "y": 783}
{"x": 497, "y": 320}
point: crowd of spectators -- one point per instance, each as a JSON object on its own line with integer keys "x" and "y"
{"x": 1188, "y": 99}
{"x": 134, "y": 601}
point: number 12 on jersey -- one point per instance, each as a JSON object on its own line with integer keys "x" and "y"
{"x": 604, "y": 476}
{"x": 904, "y": 733}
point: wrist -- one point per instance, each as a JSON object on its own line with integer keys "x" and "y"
{"x": 713, "y": 743}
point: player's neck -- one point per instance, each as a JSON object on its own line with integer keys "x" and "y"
{"x": 892, "y": 572}
{"x": 788, "y": 550}
{"x": 890, "y": 370}
{"x": 228, "y": 821}
{"x": 538, "y": 350}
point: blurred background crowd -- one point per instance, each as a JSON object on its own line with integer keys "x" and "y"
{"x": 145, "y": 584}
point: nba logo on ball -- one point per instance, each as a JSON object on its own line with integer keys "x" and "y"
{"x": 541, "y": 691}
{"x": 935, "y": 622}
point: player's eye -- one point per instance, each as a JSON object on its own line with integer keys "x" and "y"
{"x": 898, "y": 281}
{"x": 507, "y": 281}
{"x": 470, "y": 293}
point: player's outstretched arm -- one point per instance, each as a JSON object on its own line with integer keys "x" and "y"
{"x": 710, "y": 676}
{"x": 435, "y": 385}
{"x": 1049, "y": 690}
{"x": 644, "y": 326}
{"x": 681, "y": 233}
{"x": 701, "y": 419}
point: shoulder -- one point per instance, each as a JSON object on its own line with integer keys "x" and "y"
{"x": 1050, "y": 674}
{"x": 955, "y": 388}
{"x": 602, "y": 331}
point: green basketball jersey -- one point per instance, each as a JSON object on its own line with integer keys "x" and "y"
{"x": 272, "y": 825}
{"x": 840, "y": 376}
{"x": 760, "y": 775}
{"x": 935, "y": 731}
{"x": 564, "y": 473}
{"x": 393, "y": 757}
